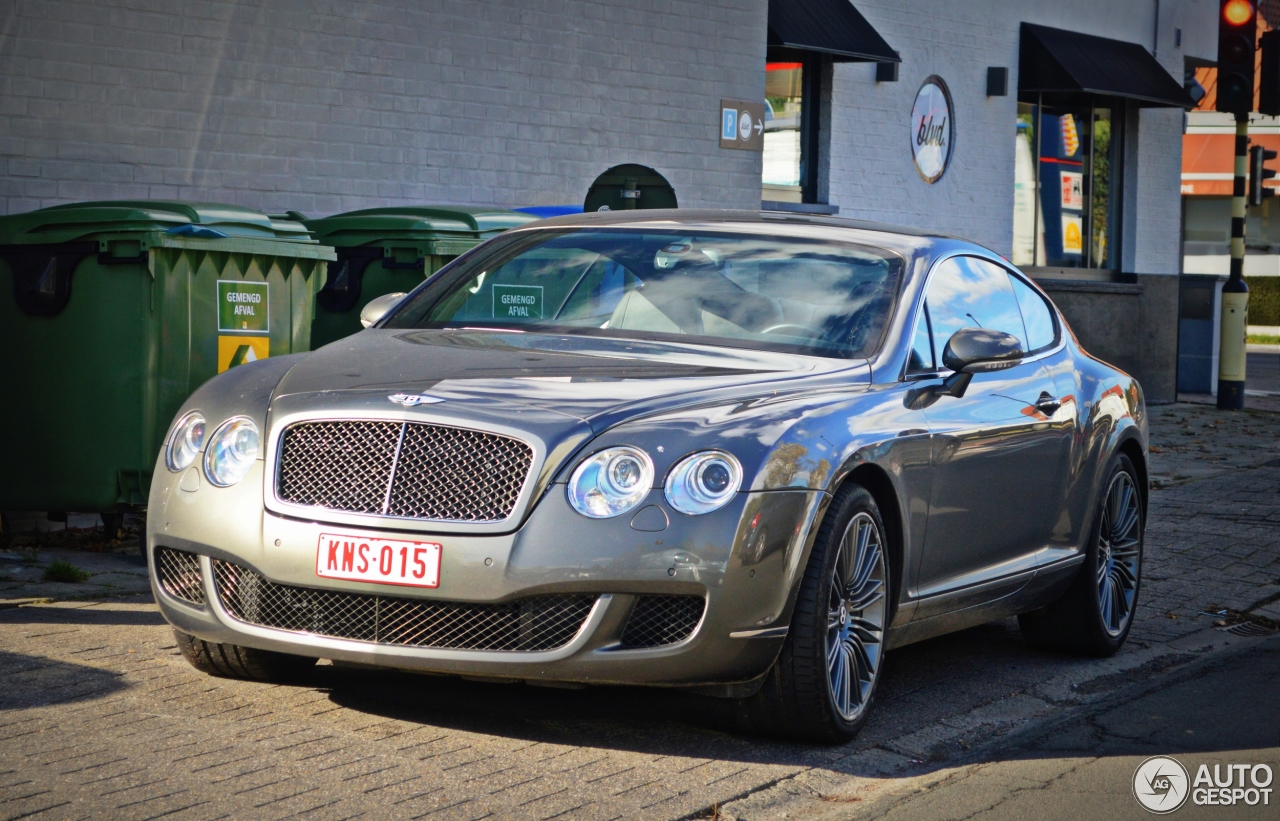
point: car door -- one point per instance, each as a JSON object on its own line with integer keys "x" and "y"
{"x": 997, "y": 458}
{"x": 1044, "y": 335}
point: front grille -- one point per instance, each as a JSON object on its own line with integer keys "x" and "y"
{"x": 178, "y": 573}
{"x": 406, "y": 469}
{"x": 534, "y": 623}
{"x": 659, "y": 620}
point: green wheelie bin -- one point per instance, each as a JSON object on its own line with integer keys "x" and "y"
{"x": 111, "y": 314}
{"x": 385, "y": 250}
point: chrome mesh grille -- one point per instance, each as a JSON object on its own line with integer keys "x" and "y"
{"x": 405, "y": 469}
{"x": 530, "y": 624}
{"x": 659, "y": 620}
{"x": 178, "y": 573}
{"x": 339, "y": 465}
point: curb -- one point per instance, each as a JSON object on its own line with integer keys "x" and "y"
{"x": 7, "y": 604}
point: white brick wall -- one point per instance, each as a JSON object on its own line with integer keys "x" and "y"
{"x": 871, "y": 171}
{"x": 331, "y": 105}
{"x": 325, "y": 106}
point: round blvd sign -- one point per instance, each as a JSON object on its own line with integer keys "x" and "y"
{"x": 932, "y": 129}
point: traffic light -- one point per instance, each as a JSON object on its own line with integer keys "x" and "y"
{"x": 1237, "y": 36}
{"x": 1259, "y": 173}
{"x": 1269, "y": 81}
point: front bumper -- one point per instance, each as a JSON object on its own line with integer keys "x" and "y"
{"x": 742, "y": 560}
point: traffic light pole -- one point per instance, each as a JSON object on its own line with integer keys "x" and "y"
{"x": 1235, "y": 294}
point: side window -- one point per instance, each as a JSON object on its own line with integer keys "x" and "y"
{"x": 1037, "y": 316}
{"x": 967, "y": 292}
{"x": 921, "y": 360}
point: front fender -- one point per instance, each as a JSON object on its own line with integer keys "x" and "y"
{"x": 811, "y": 443}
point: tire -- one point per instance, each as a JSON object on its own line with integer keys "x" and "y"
{"x": 1094, "y": 616}
{"x": 802, "y": 697}
{"x": 233, "y": 661}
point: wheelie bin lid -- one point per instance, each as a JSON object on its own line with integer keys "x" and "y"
{"x": 452, "y": 229}
{"x": 179, "y": 221}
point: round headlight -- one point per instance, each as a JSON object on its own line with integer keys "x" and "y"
{"x": 185, "y": 442}
{"x": 611, "y": 482}
{"x": 231, "y": 452}
{"x": 703, "y": 482}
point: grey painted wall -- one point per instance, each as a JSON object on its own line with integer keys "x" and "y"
{"x": 325, "y": 106}
{"x": 1134, "y": 327}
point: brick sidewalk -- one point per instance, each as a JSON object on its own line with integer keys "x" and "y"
{"x": 100, "y": 717}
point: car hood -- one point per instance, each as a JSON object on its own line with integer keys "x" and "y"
{"x": 595, "y": 380}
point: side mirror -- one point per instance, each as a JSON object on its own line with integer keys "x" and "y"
{"x": 977, "y": 350}
{"x": 379, "y": 307}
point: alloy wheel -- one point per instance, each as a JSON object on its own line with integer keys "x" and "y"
{"x": 856, "y": 616}
{"x": 1119, "y": 553}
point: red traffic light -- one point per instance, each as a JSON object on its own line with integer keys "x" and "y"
{"x": 1237, "y": 44}
{"x": 1237, "y": 12}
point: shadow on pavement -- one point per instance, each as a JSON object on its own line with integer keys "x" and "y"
{"x": 1094, "y": 762}
{"x": 923, "y": 684}
{"x": 45, "y": 614}
{"x": 35, "y": 681}
{"x": 1229, "y": 705}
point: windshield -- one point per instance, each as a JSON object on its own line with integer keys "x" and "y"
{"x": 738, "y": 290}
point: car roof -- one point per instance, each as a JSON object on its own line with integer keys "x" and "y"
{"x": 895, "y": 237}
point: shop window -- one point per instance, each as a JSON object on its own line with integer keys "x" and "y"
{"x": 1067, "y": 185}
{"x": 784, "y": 100}
{"x": 1206, "y": 232}
{"x": 792, "y": 91}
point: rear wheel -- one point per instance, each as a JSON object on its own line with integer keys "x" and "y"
{"x": 1094, "y": 616}
{"x": 821, "y": 686}
{"x": 234, "y": 661}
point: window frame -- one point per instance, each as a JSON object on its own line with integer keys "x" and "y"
{"x": 933, "y": 355}
{"x": 919, "y": 309}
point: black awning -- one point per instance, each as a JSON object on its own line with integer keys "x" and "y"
{"x": 1054, "y": 62}
{"x": 829, "y": 26}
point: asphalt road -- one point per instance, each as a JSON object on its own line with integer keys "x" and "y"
{"x": 1083, "y": 766}
{"x": 1262, "y": 372}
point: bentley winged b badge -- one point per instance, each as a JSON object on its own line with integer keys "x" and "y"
{"x": 410, "y": 400}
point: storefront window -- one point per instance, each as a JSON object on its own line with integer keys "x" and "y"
{"x": 1067, "y": 176}
{"x": 783, "y": 94}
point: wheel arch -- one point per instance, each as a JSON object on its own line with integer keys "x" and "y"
{"x": 877, "y": 481}
{"x": 1131, "y": 447}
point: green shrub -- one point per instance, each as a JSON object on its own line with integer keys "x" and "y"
{"x": 1264, "y": 300}
{"x": 61, "y": 571}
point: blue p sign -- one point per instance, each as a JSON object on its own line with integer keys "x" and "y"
{"x": 728, "y": 123}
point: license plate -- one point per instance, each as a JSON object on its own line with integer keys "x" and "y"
{"x": 382, "y": 561}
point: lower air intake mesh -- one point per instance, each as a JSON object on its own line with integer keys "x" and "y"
{"x": 178, "y": 573}
{"x": 530, "y": 624}
{"x": 659, "y": 620}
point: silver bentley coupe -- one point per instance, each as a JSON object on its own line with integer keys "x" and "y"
{"x": 744, "y": 453}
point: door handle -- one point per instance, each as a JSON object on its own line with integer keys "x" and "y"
{"x": 1047, "y": 404}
